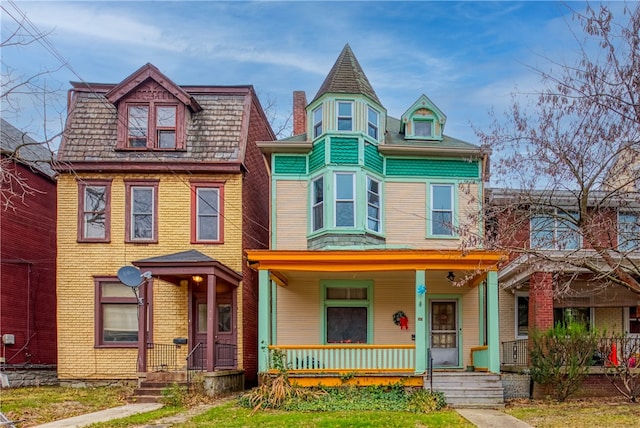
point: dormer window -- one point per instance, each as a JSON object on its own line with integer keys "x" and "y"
{"x": 372, "y": 123}
{"x": 345, "y": 116}
{"x": 423, "y": 128}
{"x": 152, "y": 126}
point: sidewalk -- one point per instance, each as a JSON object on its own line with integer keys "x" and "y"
{"x": 102, "y": 416}
{"x": 491, "y": 418}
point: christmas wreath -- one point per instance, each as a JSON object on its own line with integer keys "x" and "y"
{"x": 399, "y": 318}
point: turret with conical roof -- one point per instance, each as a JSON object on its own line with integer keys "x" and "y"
{"x": 346, "y": 77}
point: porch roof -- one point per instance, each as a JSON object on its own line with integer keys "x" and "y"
{"x": 374, "y": 260}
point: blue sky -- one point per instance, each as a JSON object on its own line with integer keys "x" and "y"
{"x": 467, "y": 57}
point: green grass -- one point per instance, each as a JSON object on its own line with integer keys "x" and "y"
{"x": 38, "y": 405}
{"x": 230, "y": 416}
{"x": 579, "y": 413}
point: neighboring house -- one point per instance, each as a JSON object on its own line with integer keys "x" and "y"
{"x": 369, "y": 272}
{"x": 27, "y": 255}
{"x": 543, "y": 282}
{"x": 169, "y": 179}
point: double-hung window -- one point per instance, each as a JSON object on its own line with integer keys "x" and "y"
{"x": 372, "y": 123}
{"x": 554, "y": 231}
{"x": 373, "y": 204}
{"x": 347, "y": 312}
{"x": 442, "y": 210}
{"x": 142, "y": 211}
{"x": 345, "y": 116}
{"x": 152, "y": 125}
{"x": 345, "y": 211}
{"x": 628, "y": 231}
{"x": 94, "y": 217}
{"x": 207, "y": 212}
{"x": 317, "y": 201}
{"x": 117, "y": 309}
{"x": 317, "y": 122}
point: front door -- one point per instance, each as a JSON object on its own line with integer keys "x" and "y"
{"x": 224, "y": 335}
{"x": 199, "y": 357}
{"x": 444, "y": 334}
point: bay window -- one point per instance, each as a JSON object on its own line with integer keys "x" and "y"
{"x": 317, "y": 208}
{"x": 345, "y": 116}
{"x": 345, "y": 200}
{"x": 373, "y": 204}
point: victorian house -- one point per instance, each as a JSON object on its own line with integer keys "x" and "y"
{"x": 372, "y": 276}
{"x": 162, "y": 187}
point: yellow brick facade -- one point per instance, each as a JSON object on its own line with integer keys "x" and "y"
{"x": 79, "y": 263}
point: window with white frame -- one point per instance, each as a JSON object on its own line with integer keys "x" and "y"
{"x": 345, "y": 116}
{"x": 554, "y": 231}
{"x": 423, "y": 128}
{"x": 373, "y": 118}
{"x": 317, "y": 203}
{"x": 347, "y": 309}
{"x": 442, "y": 210}
{"x": 345, "y": 211}
{"x": 141, "y": 210}
{"x": 628, "y": 231}
{"x": 373, "y": 204}
{"x": 317, "y": 122}
{"x": 522, "y": 314}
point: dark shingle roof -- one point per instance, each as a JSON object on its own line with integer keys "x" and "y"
{"x": 347, "y": 77}
{"x": 25, "y": 149}
{"x": 213, "y": 134}
{"x": 181, "y": 257}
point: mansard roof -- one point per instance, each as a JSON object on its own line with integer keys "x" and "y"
{"x": 346, "y": 77}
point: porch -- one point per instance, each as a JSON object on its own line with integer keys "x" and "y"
{"x": 376, "y": 316}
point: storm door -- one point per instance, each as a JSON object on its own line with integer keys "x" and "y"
{"x": 444, "y": 334}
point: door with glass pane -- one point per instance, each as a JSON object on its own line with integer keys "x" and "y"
{"x": 444, "y": 334}
{"x": 198, "y": 359}
{"x": 225, "y": 337}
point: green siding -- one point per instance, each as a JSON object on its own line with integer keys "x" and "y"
{"x": 284, "y": 164}
{"x": 432, "y": 168}
{"x": 316, "y": 158}
{"x": 344, "y": 151}
{"x": 373, "y": 159}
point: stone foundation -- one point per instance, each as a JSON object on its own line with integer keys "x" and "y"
{"x": 28, "y": 376}
{"x": 516, "y": 385}
{"x": 223, "y": 382}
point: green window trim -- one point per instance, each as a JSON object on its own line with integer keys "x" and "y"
{"x": 346, "y": 303}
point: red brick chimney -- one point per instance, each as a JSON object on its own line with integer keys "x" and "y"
{"x": 299, "y": 112}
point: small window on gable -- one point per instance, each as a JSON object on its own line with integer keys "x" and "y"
{"x": 423, "y": 128}
{"x": 345, "y": 116}
{"x": 152, "y": 125}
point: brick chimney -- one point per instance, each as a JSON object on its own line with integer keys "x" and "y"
{"x": 299, "y": 112}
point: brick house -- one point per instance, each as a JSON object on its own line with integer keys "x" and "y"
{"x": 547, "y": 285}
{"x": 27, "y": 256}
{"x": 166, "y": 181}
{"x": 366, "y": 275}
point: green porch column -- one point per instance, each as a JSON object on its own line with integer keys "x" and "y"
{"x": 264, "y": 320}
{"x": 493, "y": 327}
{"x": 421, "y": 322}
{"x": 482, "y": 287}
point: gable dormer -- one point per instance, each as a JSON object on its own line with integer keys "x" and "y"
{"x": 152, "y": 111}
{"x": 423, "y": 121}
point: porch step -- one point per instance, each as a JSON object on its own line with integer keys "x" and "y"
{"x": 150, "y": 389}
{"x": 469, "y": 389}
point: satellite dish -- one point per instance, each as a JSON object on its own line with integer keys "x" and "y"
{"x": 130, "y": 276}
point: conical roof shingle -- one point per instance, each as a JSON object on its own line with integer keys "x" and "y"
{"x": 346, "y": 77}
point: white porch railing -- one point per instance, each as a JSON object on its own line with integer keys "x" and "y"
{"x": 341, "y": 357}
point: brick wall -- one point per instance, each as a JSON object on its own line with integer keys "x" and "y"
{"x": 299, "y": 112}
{"x": 540, "y": 301}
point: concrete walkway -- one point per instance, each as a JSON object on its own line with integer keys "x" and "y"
{"x": 103, "y": 415}
{"x": 482, "y": 418}
{"x": 491, "y": 418}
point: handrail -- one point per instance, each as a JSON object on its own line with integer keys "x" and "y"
{"x": 195, "y": 348}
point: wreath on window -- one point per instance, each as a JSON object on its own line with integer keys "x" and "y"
{"x": 399, "y": 318}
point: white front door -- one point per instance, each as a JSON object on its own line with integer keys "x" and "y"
{"x": 444, "y": 333}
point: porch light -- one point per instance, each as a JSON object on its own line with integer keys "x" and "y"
{"x": 197, "y": 279}
{"x": 451, "y": 276}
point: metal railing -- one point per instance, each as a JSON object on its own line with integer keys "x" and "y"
{"x": 196, "y": 361}
{"x": 515, "y": 353}
{"x": 162, "y": 357}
